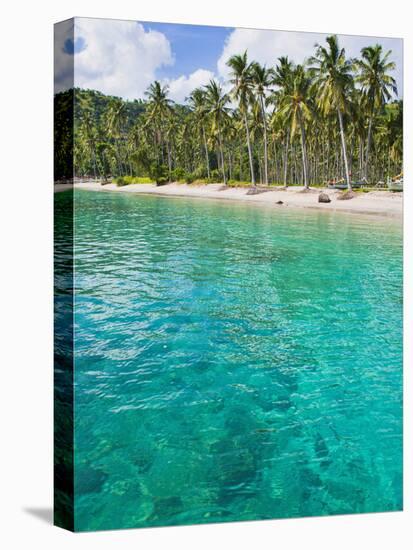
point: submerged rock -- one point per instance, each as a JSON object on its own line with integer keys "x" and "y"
{"x": 323, "y": 197}
{"x": 89, "y": 480}
{"x": 167, "y": 507}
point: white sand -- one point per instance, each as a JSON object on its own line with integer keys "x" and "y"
{"x": 379, "y": 203}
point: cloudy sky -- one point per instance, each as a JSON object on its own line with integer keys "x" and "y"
{"x": 123, "y": 57}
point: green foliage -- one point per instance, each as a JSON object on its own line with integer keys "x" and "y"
{"x": 159, "y": 174}
{"x": 63, "y": 135}
{"x": 216, "y": 176}
{"x": 131, "y": 180}
{"x": 189, "y": 177}
{"x": 120, "y": 181}
{"x": 178, "y": 174}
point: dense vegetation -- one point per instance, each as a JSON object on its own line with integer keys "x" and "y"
{"x": 331, "y": 117}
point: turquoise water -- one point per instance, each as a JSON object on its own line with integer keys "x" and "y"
{"x": 233, "y": 362}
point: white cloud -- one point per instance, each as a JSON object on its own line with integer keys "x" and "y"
{"x": 115, "y": 57}
{"x": 266, "y": 46}
{"x": 63, "y": 62}
{"x": 122, "y": 58}
{"x": 181, "y": 87}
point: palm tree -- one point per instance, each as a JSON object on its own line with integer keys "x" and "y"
{"x": 159, "y": 113}
{"x": 88, "y": 132}
{"x": 261, "y": 77}
{"x": 330, "y": 117}
{"x": 197, "y": 101}
{"x": 242, "y": 91}
{"x": 217, "y": 102}
{"x": 377, "y": 86}
{"x": 295, "y": 106}
{"x": 333, "y": 74}
{"x": 282, "y": 78}
{"x": 116, "y": 117}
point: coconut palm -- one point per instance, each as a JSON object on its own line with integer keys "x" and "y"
{"x": 89, "y": 134}
{"x": 242, "y": 91}
{"x": 283, "y": 79}
{"x": 261, "y": 78}
{"x": 115, "y": 119}
{"x": 334, "y": 79}
{"x": 197, "y": 101}
{"x": 283, "y": 128}
{"x": 217, "y": 104}
{"x": 158, "y": 114}
{"x": 376, "y": 84}
{"x": 295, "y": 106}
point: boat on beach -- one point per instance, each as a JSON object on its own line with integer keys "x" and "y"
{"x": 343, "y": 185}
{"x": 396, "y": 183}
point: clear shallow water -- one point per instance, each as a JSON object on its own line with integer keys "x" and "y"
{"x": 233, "y": 362}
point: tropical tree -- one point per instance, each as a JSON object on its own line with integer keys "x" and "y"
{"x": 376, "y": 84}
{"x": 89, "y": 134}
{"x": 242, "y": 91}
{"x": 217, "y": 104}
{"x": 283, "y": 79}
{"x": 115, "y": 118}
{"x": 197, "y": 101}
{"x": 261, "y": 78}
{"x": 295, "y": 106}
{"x": 159, "y": 115}
{"x": 334, "y": 79}
{"x": 289, "y": 123}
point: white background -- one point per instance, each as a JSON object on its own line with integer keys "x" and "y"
{"x": 26, "y": 273}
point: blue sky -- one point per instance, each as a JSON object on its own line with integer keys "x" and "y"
{"x": 193, "y": 46}
{"x": 123, "y": 57}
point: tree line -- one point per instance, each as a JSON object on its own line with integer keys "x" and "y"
{"x": 330, "y": 118}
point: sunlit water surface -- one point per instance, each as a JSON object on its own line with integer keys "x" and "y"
{"x": 234, "y": 362}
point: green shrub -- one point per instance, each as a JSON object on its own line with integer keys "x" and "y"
{"x": 142, "y": 179}
{"x": 216, "y": 176}
{"x": 159, "y": 173}
{"x": 178, "y": 174}
{"x": 120, "y": 181}
{"x": 189, "y": 178}
{"x": 199, "y": 173}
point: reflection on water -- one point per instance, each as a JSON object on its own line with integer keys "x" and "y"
{"x": 233, "y": 362}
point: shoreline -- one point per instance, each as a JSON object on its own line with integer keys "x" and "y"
{"x": 376, "y": 203}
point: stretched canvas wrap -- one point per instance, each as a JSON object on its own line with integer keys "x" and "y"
{"x": 228, "y": 274}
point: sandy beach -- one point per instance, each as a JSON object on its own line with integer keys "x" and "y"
{"x": 378, "y": 203}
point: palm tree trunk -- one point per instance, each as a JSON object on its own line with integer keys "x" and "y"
{"x": 118, "y": 159}
{"x": 249, "y": 149}
{"x": 264, "y": 123}
{"x": 343, "y": 145}
{"x": 169, "y": 160}
{"x": 222, "y": 155}
{"x": 275, "y": 163}
{"x": 206, "y": 152}
{"x": 368, "y": 146}
{"x": 303, "y": 150}
{"x": 94, "y": 162}
{"x": 287, "y": 140}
